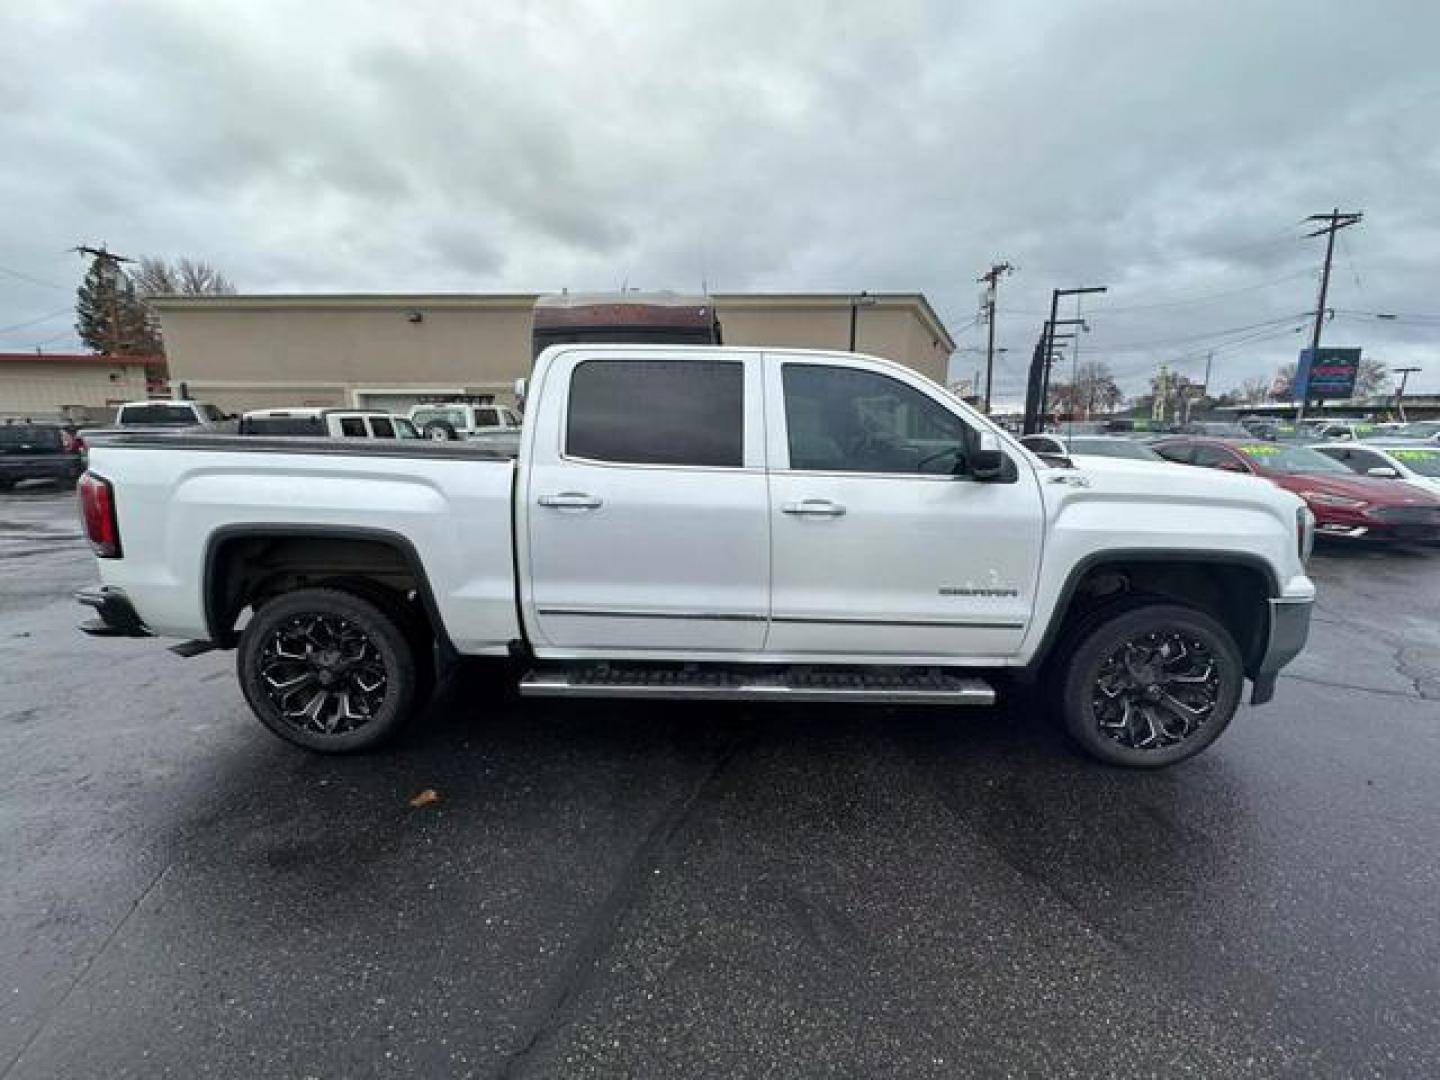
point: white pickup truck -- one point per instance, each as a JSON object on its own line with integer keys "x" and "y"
{"x": 709, "y": 522}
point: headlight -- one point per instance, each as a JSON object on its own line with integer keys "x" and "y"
{"x": 1320, "y": 498}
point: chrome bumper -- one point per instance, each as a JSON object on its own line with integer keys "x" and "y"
{"x": 1288, "y": 631}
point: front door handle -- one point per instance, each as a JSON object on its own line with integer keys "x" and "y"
{"x": 813, "y": 508}
{"x": 571, "y": 500}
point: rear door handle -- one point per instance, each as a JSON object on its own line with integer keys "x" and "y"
{"x": 813, "y": 508}
{"x": 571, "y": 500}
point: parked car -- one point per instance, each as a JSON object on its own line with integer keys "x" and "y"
{"x": 1344, "y": 430}
{"x": 1412, "y": 460}
{"x": 30, "y": 451}
{"x": 332, "y": 423}
{"x": 1419, "y": 429}
{"x": 1345, "y": 505}
{"x": 1110, "y": 446}
{"x": 708, "y": 522}
{"x": 175, "y": 415}
{"x": 449, "y": 420}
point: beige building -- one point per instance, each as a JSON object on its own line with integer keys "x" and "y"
{"x": 74, "y": 386}
{"x": 251, "y": 352}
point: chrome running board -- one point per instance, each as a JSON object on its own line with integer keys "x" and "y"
{"x": 895, "y": 686}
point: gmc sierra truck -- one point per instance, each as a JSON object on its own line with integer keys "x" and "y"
{"x": 708, "y": 522}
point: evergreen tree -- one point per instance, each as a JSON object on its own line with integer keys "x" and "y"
{"x": 110, "y": 317}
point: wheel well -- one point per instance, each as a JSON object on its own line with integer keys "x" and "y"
{"x": 245, "y": 571}
{"x": 1234, "y": 594}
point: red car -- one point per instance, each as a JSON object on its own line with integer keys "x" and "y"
{"x": 1344, "y": 504}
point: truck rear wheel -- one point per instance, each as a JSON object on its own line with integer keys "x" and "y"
{"x": 1149, "y": 683}
{"x": 328, "y": 670}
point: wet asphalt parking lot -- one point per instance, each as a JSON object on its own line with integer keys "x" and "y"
{"x": 651, "y": 890}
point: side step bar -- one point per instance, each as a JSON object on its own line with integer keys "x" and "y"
{"x": 898, "y": 686}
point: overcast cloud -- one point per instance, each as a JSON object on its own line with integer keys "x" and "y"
{"x": 1168, "y": 150}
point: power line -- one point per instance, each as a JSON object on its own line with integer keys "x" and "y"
{"x": 1205, "y": 297}
{"x": 32, "y": 280}
{"x": 1132, "y": 346}
{"x": 37, "y": 320}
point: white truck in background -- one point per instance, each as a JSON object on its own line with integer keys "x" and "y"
{"x": 708, "y": 522}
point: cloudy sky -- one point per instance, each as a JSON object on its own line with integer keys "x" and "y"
{"x": 1168, "y": 150}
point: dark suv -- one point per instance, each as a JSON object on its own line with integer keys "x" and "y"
{"x": 38, "y": 452}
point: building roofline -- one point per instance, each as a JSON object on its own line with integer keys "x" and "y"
{"x": 263, "y": 301}
{"x": 147, "y": 360}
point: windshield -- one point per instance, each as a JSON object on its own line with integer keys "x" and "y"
{"x": 1420, "y": 459}
{"x": 454, "y": 416}
{"x": 29, "y": 435}
{"x": 1289, "y": 459}
{"x": 157, "y": 414}
{"x": 404, "y": 429}
{"x": 1116, "y": 448}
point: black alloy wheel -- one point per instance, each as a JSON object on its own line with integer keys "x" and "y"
{"x": 328, "y": 670}
{"x": 1150, "y": 683}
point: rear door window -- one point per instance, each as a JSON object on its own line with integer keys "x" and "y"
{"x": 382, "y": 427}
{"x": 658, "y": 412}
{"x": 353, "y": 427}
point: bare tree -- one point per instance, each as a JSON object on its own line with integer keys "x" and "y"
{"x": 1372, "y": 378}
{"x": 184, "y": 276}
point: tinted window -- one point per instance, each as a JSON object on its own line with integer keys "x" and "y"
{"x": 485, "y": 418}
{"x": 1213, "y": 457}
{"x": 383, "y": 428}
{"x": 282, "y": 425}
{"x": 157, "y": 414}
{"x": 846, "y": 420}
{"x": 30, "y": 435}
{"x": 352, "y": 427}
{"x": 1175, "y": 452}
{"x": 658, "y": 412}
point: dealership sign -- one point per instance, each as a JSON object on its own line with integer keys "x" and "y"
{"x": 1326, "y": 373}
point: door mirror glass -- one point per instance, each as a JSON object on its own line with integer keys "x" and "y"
{"x": 987, "y": 460}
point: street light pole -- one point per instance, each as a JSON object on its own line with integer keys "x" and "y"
{"x": 1040, "y": 379}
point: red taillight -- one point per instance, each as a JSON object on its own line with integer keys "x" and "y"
{"x": 97, "y": 511}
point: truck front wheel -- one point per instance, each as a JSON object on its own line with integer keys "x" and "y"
{"x": 1149, "y": 683}
{"x": 327, "y": 670}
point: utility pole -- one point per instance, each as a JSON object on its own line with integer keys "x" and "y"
{"x": 1404, "y": 373}
{"x": 111, "y": 262}
{"x": 991, "y": 279}
{"x": 1334, "y": 222}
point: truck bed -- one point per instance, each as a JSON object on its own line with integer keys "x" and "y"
{"x": 181, "y": 496}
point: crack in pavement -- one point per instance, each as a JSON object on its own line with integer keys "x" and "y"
{"x": 558, "y": 1004}
{"x": 43, "y": 1022}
